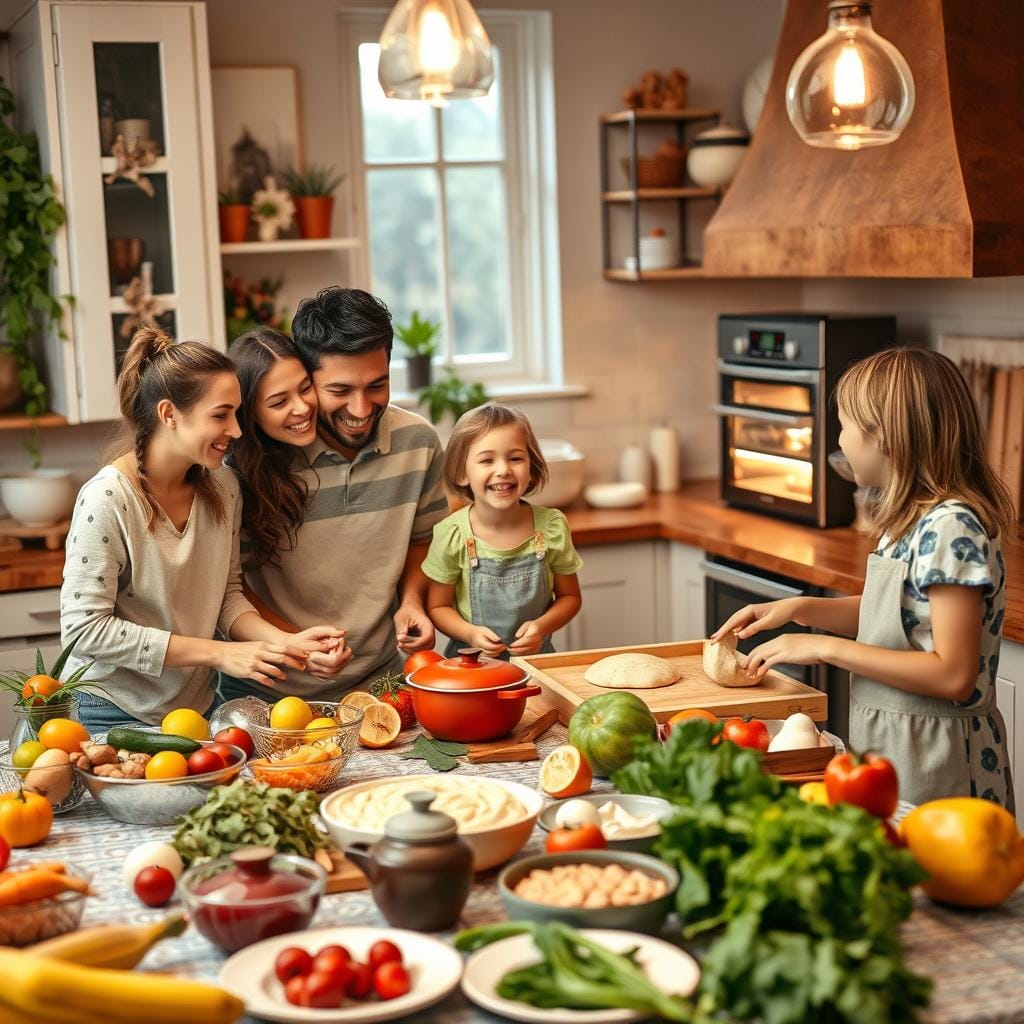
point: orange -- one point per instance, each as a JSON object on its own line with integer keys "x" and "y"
{"x": 682, "y": 716}
{"x": 358, "y": 699}
{"x": 63, "y": 734}
{"x": 168, "y": 764}
{"x": 37, "y": 687}
{"x": 291, "y": 713}
{"x": 380, "y": 726}
{"x": 565, "y": 772}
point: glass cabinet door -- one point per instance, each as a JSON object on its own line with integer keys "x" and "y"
{"x": 141, "y": 212}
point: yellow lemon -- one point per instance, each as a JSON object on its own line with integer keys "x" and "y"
{"x": 185, "y": 722}
{"x": 290, "y": 713}
{"x": 322, "y": 723}
{"x": 813, "y": 793}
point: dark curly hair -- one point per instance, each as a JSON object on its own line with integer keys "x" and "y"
{"x": 341, "y": 321}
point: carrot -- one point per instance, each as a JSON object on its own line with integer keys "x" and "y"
{"x": 31, "y": 884}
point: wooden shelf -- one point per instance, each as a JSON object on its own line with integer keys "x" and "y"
{"x": 642, "y": 194}
{"x": 670, "y": 116}
{"x": 108, "y": 165}
{"x": 20, "y": 421}
{"x": 289, "y": 245}
{"x": 674, "y": 274}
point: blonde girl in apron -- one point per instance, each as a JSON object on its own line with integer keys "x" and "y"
{"x": 502, "y": 571}
{"x": 928, "y": 625}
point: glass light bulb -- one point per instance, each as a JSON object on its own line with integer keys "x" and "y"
{"x": 434, "y": 50}
{"x": 850, "y": 88}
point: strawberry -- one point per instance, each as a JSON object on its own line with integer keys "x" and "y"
{"x": 389, "y": 690}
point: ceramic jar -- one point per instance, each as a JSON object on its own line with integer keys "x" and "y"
{"x": 715, "y": 156}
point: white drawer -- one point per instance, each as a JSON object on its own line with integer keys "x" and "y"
{"x": 29, "y": 613}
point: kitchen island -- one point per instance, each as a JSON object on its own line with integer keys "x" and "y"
{"x": 975, "y": 958}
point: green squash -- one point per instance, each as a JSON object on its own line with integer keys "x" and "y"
{"x": 604, "y": 727}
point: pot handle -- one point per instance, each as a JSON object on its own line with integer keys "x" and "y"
{"x": 520, "y": 694}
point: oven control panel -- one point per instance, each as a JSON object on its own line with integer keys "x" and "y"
{"x": 783, "y": 341}
{"x": 764, "y": 344}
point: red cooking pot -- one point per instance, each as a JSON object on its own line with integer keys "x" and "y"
{"x": 469, "y": 698}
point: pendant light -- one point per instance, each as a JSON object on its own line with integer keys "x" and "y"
{"x": 850, "y": 88}
{"x": 434, "y": 50}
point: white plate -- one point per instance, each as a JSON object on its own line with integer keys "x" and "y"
{"x": 434, "y": 969}
{"x": 668, "y": 967}
{"x": 624, "y": 495}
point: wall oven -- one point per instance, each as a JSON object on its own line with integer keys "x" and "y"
{"x": 730, "y": 586}
{"x": 776, "y": 373}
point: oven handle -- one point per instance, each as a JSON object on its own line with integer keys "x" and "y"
{"x": 768, "y": 373}
{"x": 748, "y": 581}
{"x": 760, "y": 414}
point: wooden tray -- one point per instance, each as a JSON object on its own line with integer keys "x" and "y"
{"x": 560, "y": 676}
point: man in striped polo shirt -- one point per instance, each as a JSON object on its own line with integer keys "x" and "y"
{"x": 375, "y": 493}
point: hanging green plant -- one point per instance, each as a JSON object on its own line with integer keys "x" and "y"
{"x": 30, "y": 215}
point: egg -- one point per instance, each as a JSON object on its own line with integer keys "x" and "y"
{"x": 798, "y": 732}
{"x": 576, "y": 814}
{"x": 152, "y": 854}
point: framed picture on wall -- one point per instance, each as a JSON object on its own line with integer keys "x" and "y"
{"x": 257, "y": 125}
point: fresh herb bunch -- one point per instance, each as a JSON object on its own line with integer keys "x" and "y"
{"x": 315, "y": 180}
{"x": 452, "y": 394}
{"x": 575, "y": 973}
{"x": 419, "y": 336}
{"x": 248, "y": 306}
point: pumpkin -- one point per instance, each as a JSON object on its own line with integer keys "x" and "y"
{"x": 604, "y": 727}
{"x": 25, "y": 818}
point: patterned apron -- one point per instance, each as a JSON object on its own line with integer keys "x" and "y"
{"x": 506, "y": 592}
{"x": 936, "y": 746}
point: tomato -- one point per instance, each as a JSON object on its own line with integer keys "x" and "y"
{"x": 168, "y": 764}
{"x": 323, "y": 991}
{"x": 63, "y": 734}
{"x": 891, "y": 834}
{"x": 335, "y": 963}
{"x": 383, "y": 952}
{"x": 229, "y": 755}
{"x": 205, "y": 760}
{"x": 5, "y": 852}
{"x": 154, "y": 886}
{"x": 571, "y": 840}
{"x": 391, "y": 980}
{"x": 361, "y": 984}
{"x": 38, "y": 687}
{"x": 293, "y": 962}
{"x": 236, "y": 735}
{"x": 295, "y": 990}
{"x": 335, "y": 949}
{"x": 420, "y": 658}
{"x": 746, "y": 732}
{"x": 867, "y": 780}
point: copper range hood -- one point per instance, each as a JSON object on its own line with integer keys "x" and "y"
{"x": 944, "y": 200}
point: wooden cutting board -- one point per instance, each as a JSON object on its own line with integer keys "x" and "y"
{"x": 560, "y": 676}
{"x": 342, "y": 874}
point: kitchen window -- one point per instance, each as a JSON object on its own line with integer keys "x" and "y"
{"x": 458, "y": 205}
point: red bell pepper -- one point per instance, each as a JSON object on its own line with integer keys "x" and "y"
{"x": 866, "y": 780}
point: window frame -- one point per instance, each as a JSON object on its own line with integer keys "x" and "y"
{"x": 534, "y": 327}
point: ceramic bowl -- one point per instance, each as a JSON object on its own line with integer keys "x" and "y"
{"x": 38, "y": 497}
{"x": 715, "y": 156}
{"x": 490, "y": 846}
{"x": 566, "y": 467}
{"x": 641, "y": 917}
{"x": 629, "y": 802}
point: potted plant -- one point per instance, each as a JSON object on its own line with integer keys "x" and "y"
{"x": 420, "y": 340}
{"x": 452, "y": 395}
{"x": 234, "y": 213}
{"x": 312, "y": 191}
{"x": 29, "y": 218}
{"x": 247, "y": 306}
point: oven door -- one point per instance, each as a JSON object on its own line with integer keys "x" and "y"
{"x": 772, "y": 447}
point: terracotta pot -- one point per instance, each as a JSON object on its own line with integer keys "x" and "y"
{"x": 470, "y": 698}
{"x": 234, "y": 222}
{"x": 313, "y": 214}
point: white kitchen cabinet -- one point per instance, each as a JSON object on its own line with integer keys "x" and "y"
{"x": 686, "y": 593}
{"x": 28, "y": 619}
{"x": 1010, "y": 699}
{"x": 82, "y": 72}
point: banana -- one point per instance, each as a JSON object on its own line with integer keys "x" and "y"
{"x": 110, "y": 945}
{"x": 66, "y": 993}
{"x": 12, "y": 1015}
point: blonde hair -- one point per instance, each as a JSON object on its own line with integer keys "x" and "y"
{"x": 471, "y": 427}
{"x": 155, "y": 368}
{"x": 915, "y": 404}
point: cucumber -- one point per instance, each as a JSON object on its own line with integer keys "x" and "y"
{"x": 123, "y": 738}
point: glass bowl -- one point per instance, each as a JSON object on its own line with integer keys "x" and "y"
{"x": 318, "y": 776}
{"x": 59, "y": 783}
{"x": 275, "y": 742}
{"x": 252, "y": 894}
{"x": 26, "y": 923}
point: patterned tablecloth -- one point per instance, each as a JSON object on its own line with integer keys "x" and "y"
{"x": 976, "y": 959}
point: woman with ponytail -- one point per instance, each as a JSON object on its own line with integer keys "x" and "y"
{"x": 152, "y": 566}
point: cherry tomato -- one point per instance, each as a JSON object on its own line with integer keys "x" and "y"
{"x": 236, "y": 735}
{"x": 867, "y": 780}
{"x": 205, "y": 760}
{"x": 361, "y": 984}
{"x": 746, "y": 732}
{"x": 323, "y": 991}
{"x": 154, "y": 886}
{"x": 572, "y": 840}
{"x": 333, "y": 948}
{"x": 335, "y": 963}
{"x": 391, "y": 980}
{"x": 295, "y": 990}
{"x": 293, "y": 962}
{"x": 5, "y": 853}
{"x": 383, "y": 952}
{"x": 229, "y": 754}
{"x": 420, "y": 658}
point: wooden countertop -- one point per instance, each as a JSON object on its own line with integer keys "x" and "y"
{"x": 694, "y": 515}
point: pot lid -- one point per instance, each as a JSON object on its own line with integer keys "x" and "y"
{"x": 421, "y": 824}
{"x": 723, "y": 135}
{"x": 469, "y": 670}
{"x": 251, "y": 873}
